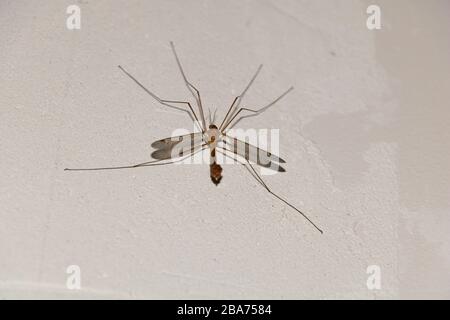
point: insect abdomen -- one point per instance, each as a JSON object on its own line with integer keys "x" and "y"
{"x": 216, "y": 173}
{"x": 215, "y": 170}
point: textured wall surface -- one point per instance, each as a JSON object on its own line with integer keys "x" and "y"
{"x": 365, "y": 134}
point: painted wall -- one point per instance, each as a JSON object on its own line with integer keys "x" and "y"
{"x": 365, "y": 134}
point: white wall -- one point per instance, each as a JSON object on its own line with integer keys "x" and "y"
{"x": 365, "y": 134}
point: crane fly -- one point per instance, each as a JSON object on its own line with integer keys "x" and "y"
{"x": 210, "y": 136}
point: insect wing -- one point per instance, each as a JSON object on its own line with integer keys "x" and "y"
{"x": 174, "y": 147}
{"x": 254, "y": 154}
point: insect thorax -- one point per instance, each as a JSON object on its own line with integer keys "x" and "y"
{"x": 212, "y": 136}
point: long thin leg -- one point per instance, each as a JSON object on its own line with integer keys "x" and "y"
{"x": 233, "y": 107}
{"x": 261, "y": 181}
{"x": 190, "y": 86}
{"x": 214, "y": 116}
{"x": 144, "y": 164}
{"x": 255, "y": 112}
{"x": 229, "y": 110}
{"x": 166, "y": 102}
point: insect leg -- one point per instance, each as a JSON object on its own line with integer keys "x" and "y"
{"x": 167, "y": 103}
{"x": 190, "y": 86}
{"x": 255, "y": 112}
{"x": 144, "y": 164}
{"x": 233, "y": 107}
{"x": 261, "y": 181}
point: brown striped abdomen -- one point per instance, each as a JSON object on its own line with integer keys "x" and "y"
{"x": 215, "y": 170}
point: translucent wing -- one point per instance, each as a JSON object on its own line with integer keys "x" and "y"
{"x": 254, "y": 154}
{"x": 174, "y": 147}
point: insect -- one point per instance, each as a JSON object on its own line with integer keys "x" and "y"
{"x": 210, "y": 136}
